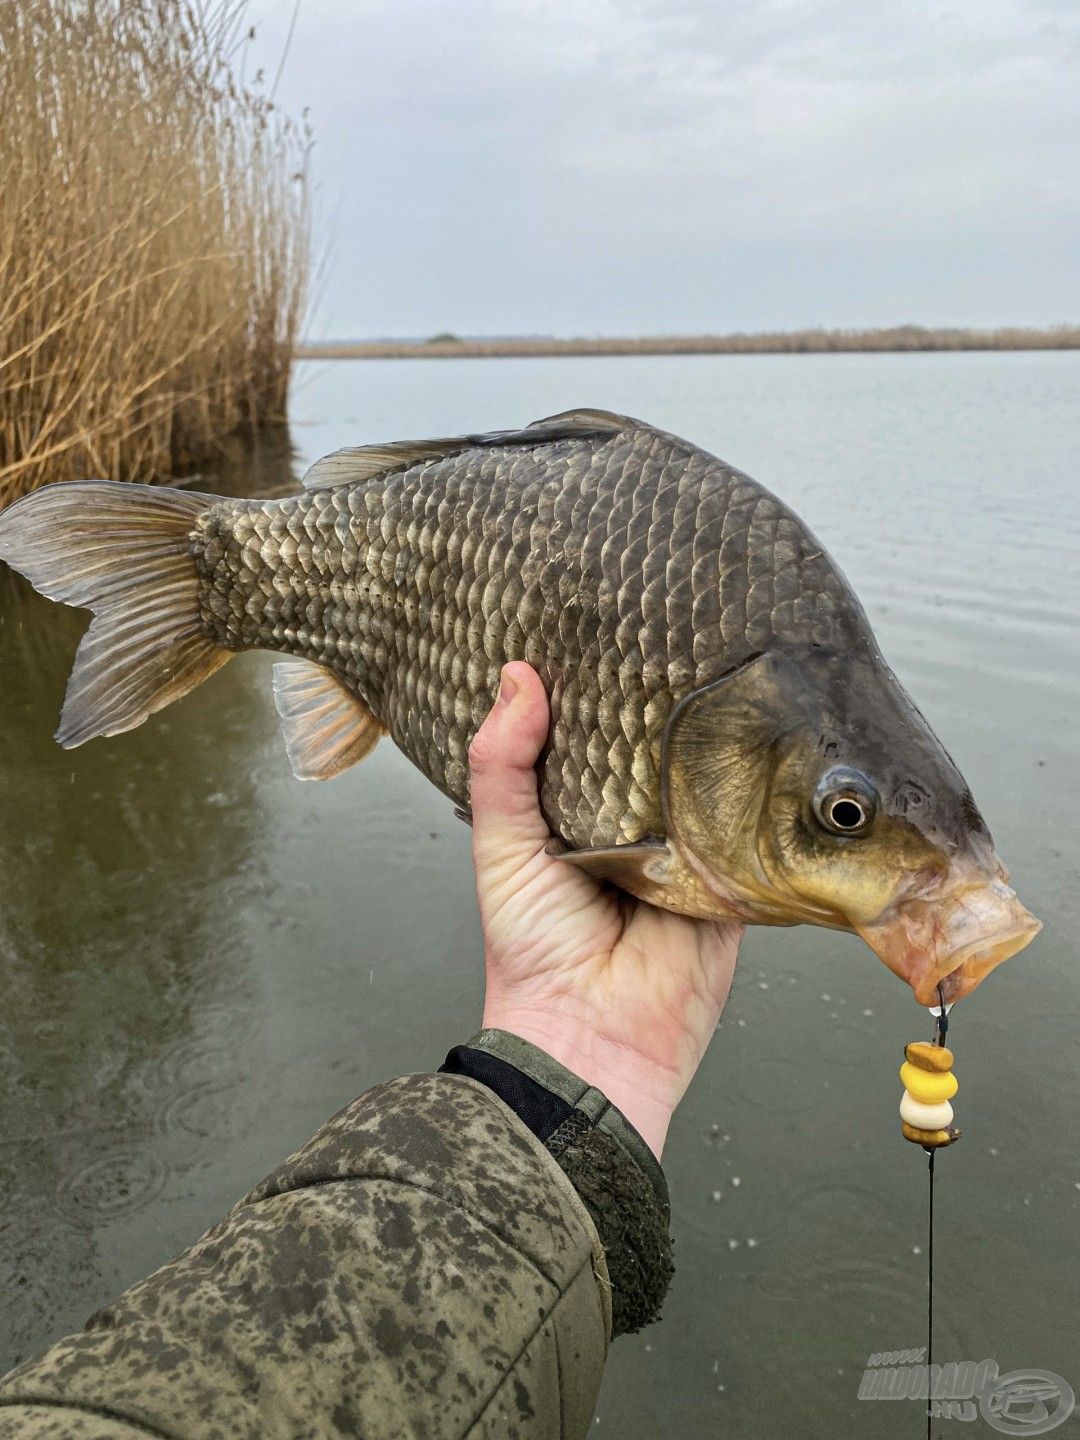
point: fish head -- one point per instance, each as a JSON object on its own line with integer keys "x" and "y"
{"x": 806, "y": 787}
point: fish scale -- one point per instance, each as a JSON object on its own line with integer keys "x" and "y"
{"x": 628, "y": 569}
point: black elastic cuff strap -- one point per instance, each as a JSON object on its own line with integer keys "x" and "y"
{"x": 530, "y": 1101}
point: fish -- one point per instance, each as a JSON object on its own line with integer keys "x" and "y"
{"x": 726, "y": 739}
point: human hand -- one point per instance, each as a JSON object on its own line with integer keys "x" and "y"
{"x": 625, "y": 995}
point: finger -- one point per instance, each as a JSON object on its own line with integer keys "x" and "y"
{"x": 507, "y": 821}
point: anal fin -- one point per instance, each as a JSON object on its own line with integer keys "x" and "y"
{"x": 326, "y": 727}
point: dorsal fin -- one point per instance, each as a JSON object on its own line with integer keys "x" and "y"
{"x": 364, "y": 462}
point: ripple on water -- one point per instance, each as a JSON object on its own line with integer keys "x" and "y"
{"x": 202, "y": 1111}
{"x": 834, "y": 1233}
{"x": 773, "y": 1080}
{"x": 123, "y": 1179}
{"x": 191, "y": 1088}
{"x": 192, "y": 1063}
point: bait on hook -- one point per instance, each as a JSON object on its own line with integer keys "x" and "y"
{"x": 926, "y": 1117}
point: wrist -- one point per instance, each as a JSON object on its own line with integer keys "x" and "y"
{"x": 644, "y": 1091}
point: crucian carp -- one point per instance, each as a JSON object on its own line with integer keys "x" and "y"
{"x": 726, "y": 739}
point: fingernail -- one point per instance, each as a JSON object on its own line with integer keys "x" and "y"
{"x": 508, "y": 689}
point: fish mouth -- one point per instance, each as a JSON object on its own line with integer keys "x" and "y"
{"x": 945, "y": 945}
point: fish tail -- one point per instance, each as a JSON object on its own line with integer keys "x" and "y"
{"x": 125, "y": 552}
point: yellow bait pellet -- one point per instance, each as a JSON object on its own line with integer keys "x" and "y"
{"x": 924, "y": 1085}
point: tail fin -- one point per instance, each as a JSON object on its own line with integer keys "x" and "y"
{"x": 123, "y": 551}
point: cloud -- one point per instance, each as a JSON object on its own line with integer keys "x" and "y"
{"x": 628, "y": 165}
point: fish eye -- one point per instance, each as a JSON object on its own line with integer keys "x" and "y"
{"x": 845, "y": 802}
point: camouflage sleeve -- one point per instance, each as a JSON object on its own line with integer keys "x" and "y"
{"x": 606, "y": 1160}
{"x": 421, "y": 1266}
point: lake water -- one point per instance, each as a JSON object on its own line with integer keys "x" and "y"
{"x": 201, "y": 959}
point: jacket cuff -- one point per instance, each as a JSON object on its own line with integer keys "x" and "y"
{"x": 609, "y": 1164}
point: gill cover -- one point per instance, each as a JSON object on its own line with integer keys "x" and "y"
{"x": 717, "y": 763}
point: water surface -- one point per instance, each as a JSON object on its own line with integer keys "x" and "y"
{"x": 202, "y": 959}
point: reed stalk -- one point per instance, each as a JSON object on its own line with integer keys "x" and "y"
{"x": 154, "y": 239}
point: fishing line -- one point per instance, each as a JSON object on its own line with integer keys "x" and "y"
{"x": 941, "y": 1029}
{"x": 930, "y": 1301}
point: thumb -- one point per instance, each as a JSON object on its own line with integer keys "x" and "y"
{"x": 507, "y": 823}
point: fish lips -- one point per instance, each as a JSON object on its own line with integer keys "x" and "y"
{"x": 944, "y": 945}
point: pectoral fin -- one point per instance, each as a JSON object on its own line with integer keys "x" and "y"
{"x": 717, "y": 754}
{"x": 652, "y": 870}
{"x": 642, "y": 866}
{"x": 326, "y": 727}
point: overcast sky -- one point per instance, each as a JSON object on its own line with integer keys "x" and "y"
{"x": 628, "y": 166}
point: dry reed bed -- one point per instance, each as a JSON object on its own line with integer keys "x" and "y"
{"x": 793, "y": 342}
{"x": 154, "y": 239}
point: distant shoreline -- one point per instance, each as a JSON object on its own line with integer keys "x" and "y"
{"x": 897, "y": 340}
